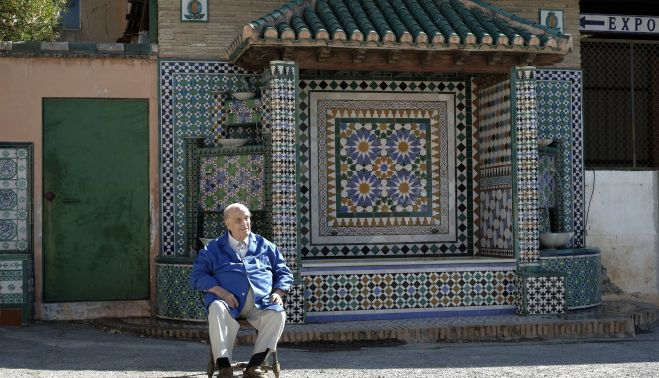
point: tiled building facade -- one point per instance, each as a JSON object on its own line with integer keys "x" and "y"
{"x": 469, "y": 176}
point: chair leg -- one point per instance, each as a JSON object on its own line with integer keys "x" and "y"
{"x": 275, "y": 364}
{"x": 210, "y": 369}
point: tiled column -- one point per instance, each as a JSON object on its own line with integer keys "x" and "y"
{"x": 525, "y": 165}
{"x": 280, "y": 96}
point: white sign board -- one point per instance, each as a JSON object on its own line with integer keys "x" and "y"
{"x": 615, "y": 23}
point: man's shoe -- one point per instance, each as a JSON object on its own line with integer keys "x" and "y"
{"x": 254, "y": 372}
{"x": 225, "y": 373}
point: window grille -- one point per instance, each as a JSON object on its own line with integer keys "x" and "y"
{"x": 620, "y": 103}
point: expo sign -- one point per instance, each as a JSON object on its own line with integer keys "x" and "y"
{"x": 610, "y": 23}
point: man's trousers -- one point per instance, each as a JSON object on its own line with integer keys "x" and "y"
{"x": 223, "y": 328}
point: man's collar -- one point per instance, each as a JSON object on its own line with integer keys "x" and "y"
{"x": 235, "y": 242}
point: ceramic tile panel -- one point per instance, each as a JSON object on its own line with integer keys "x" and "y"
{"x": 546, "y": 181}
{"x": 394, "y": 201}
{"x": 225, "y": 179}
{"x": 14, "y": 291}
{"x": 560, "y": 117}
{"x": 372, "y": 291}
{"x": 187, "y": 109}
{"x": 582, "y": 269}
{"x": 294, "y": 304}
{"x": 175, "y": 298}
{"x": 230, "y": 111}
{"x": 15, "y": 197}
{"x": 383, "y": 169}
{"x": 494, "y": 129}
{"x": 541, "y": 293}
{"x": 495, "y": 175}
{"x": 497, "y": 227}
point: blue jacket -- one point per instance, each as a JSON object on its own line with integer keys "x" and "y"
{"x": 263, "y": 269}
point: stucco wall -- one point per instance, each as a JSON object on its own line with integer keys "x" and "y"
{"x": 623, "y": 222}
{"x": 100, "y": 21}
{"x": 209, "y": 40}
{"x": 30, "y": 80}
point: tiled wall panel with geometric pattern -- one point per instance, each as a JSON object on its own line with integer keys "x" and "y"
{"x": 360, "y": 194}
{"x": 582, "y": 269}
{"x": 189, "y": 96}
{"x": 14, "y": 284}
{"x": 559, "y": 105}
{"x": 540, "y": 293}
{"x": 495, "y": 175}
{"x": 384, "y": 291}
{"x": 176, "y": 300}
{"x": 15, "y": 197}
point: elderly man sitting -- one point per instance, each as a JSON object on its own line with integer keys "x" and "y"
{"x": 243, "y": 276}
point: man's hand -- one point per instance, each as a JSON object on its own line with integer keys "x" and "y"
{"x": 276, "y": 297}
{"x": 224, "y": 295}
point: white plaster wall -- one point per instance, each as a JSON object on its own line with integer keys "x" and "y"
{"x": 623, "y": 221}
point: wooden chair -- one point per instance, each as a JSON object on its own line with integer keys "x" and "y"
{"x": 266, "y": 366}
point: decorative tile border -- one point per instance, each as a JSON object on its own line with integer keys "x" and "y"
{"x": 560, "y": 116}
{"x": 473, "y": 166}
{"x": 375, "y": 292}
{"x": 464, "y": 186}
{"x": 15, "y": 197}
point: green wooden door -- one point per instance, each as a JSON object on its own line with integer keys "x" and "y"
{"x": 96, "y": 200}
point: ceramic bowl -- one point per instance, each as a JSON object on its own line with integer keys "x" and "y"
{"x": 233, "y": 142}
{"x": 242, "y": 95}
{"x": 555, "y": 239}
{"x": 544, "y": 142}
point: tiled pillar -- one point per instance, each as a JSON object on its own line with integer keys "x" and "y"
{"x": 280, "y": 123}
{"x": 280, "y": 120}
{"x": 525, "y": 165}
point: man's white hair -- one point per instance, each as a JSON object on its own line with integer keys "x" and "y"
{"x": 235, "y": 206}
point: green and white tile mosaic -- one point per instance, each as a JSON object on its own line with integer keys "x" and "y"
{"x": 15, "y": 197}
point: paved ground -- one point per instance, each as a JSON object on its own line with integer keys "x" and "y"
{"x": 64, "y": 349}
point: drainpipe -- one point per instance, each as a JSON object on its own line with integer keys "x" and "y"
{"x": 631, "y": 72}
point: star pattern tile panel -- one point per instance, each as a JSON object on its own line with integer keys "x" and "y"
{"x": 352, "y": 131}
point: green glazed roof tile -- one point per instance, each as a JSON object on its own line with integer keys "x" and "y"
{"x": 361, "y": 18}
{"x": 392, "y": 18}
{"x": 298, "y": 24}
{"x": 436, "y": 16}
{"x": 454, "y": 19}
{"x": 328, "y": 18}
{"x": 419, "y": 24}
{"x": 422, "y": 17}
{"x": 344, "y": 16}
{"x": 313, "y": 21}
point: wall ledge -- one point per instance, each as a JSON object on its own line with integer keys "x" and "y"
{"x": 78, "y": 49}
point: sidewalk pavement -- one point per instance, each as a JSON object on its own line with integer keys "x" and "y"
{"x": 617, "y": 317}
